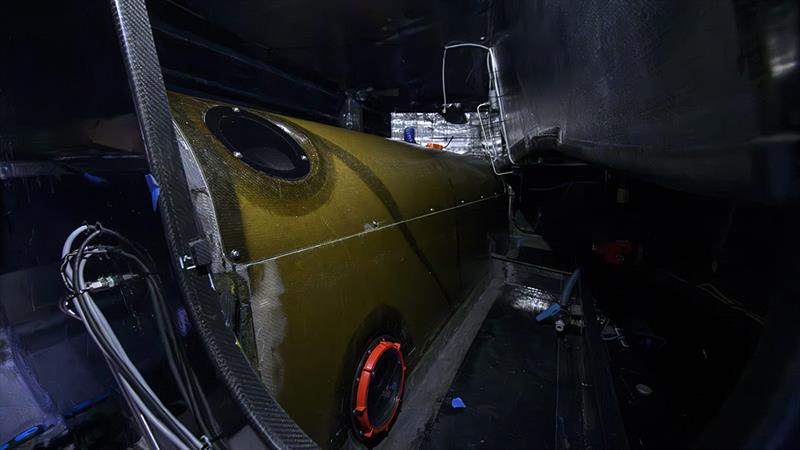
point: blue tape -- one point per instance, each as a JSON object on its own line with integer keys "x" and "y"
{"x": 457, "y": 403}
{"x": 551, "y": 311}
{"x": 27, "y": 433}
{"x": 155, "y": 190}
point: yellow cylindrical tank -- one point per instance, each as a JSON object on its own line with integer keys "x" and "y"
{"x": 377, "y": 238}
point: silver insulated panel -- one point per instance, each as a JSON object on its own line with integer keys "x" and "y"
{"x": 463, "y": 139}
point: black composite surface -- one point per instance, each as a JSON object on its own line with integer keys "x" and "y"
{"x": 524, "y": 385}
{"x": 508, "y": 383}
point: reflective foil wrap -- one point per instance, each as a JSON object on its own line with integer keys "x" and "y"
{"x": 431, "y": 128}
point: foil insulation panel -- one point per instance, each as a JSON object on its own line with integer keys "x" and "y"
{"x": 464, "y": 139}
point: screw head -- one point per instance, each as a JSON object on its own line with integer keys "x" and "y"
{"x": 235, "y": 254}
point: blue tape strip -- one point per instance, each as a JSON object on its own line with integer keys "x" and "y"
{"x": 27, "y": 433}
{"x": 155, "y": 190}
{"x": 551, "y": 311}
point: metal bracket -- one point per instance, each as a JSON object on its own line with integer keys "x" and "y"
{"x": 200, "y": 255}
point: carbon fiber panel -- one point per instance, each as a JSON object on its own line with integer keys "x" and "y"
{"x": 149, "y": 97}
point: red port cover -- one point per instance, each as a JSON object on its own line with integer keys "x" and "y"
{"x": 379, "y": 389}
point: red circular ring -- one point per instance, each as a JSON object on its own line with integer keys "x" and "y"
{"x": 367, "y": 428}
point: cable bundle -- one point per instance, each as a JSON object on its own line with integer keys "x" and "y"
{"x": 148, "y": 410}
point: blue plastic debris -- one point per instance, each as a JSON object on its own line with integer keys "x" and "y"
{"x": 552, "y": 310}
{"x": 155, "y": 190}
{"x": 457, "y": 403}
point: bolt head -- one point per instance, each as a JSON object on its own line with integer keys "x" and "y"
{"x": 235, "y": 254}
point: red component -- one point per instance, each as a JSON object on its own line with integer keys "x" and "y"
{"x": 614, "y": 252}
{"x": 365, "y": 374}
